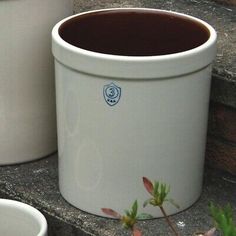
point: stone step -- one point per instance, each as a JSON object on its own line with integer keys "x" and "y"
{"x": 221, "y": 143}
{"x": 36, "y": 183}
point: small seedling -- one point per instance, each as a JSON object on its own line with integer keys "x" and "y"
{"x": 223, "y": 219}
{"x": 129, "y": 219}
{"x": 159, "y": 193}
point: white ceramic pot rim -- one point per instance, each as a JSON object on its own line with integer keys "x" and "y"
{"x": 134, "y": 67}
{"x": 37, "y": 215}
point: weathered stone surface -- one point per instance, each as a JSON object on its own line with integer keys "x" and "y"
{"x": 221, "y": 154}
{"x": 81, "y": 5}
{"x": 36, "y": 183}
{"x": 221, "y": 143}
{"x": 222, "y": 122}
{"x": 226, "y": 2}
{"x": 223, "y": 90}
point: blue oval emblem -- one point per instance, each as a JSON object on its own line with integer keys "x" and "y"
{"x": 112, "y": 94}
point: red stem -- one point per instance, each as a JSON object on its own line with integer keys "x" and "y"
{"x": 169, "y": 221}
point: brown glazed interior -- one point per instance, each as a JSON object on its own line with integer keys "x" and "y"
{"x": 134, "y": 32}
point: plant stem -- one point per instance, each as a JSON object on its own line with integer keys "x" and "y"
{"x": 169, "y": 221}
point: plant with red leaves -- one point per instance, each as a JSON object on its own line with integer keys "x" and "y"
{"x": 159, "y": 192}
{"x": 129, "y": 219}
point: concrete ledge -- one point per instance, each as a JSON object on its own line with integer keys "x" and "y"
{"x": 221, "y": 154}
{"x": 222, "y": 122}
{"x": 221, "y": 143}
{"x": 36, "y": 183}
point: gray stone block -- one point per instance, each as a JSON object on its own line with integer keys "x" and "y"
{"x": 36, "y": 183}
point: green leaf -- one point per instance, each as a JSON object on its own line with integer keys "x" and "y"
{"x": 126, "y": 226}
{"x": 228, "y": 211}
{"x": 223, "y": 218}
{"x": 127, "y": 213}
{"x": 144, "y": 216}
{"x": 134, "y": 209}
{"x": 156, "y": 189}
{"x": 147, "y": 202}
{"x": 162, "y": 193}
{"x": 170, "y": 200}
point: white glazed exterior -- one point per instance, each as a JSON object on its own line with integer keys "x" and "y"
{"x": 19, "y": 219}
{"x": 157, "y": 129}
{"x": 27, "y": 96}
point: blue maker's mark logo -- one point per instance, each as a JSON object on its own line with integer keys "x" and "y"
{"x": 112, "y": 94}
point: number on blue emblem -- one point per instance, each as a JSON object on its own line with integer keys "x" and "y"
{"x": 112, "y": 94}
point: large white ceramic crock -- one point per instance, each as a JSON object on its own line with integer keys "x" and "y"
{"x": 20, "y": 219}
{"x": 157, "y": 127}
{"x": 27, "y": 103}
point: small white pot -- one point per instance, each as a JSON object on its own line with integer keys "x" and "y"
{"x": 27, "y": 97}
{"x": 124, "y": 117}
{"x": 19, "y": 219}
